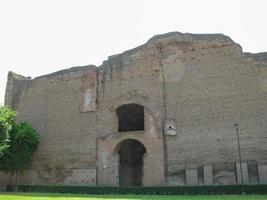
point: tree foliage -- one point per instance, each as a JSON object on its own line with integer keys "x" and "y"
{"x": 7, "y": 121}
{"x": 18, "y": 143}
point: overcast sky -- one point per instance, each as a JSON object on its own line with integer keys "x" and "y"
{"x": 40, "y": 37}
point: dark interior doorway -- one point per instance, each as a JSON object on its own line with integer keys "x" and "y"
{"x": 131, "y": 162}
{"x": 131, "y": 117}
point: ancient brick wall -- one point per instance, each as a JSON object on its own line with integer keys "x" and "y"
{"x": 193, "y": 88}
{"x": 53, "y": 104}
{"x": 210, "y": 84}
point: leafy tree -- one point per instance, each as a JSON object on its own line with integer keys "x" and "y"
{"x": 7, "y": 121}
{"x": 18, "y": 145}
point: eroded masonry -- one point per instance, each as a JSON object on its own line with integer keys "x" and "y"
{"x": 159, "y": 114}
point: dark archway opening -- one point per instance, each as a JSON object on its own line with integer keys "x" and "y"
{"x": 131, "y": 162}
{"x": 131, "y": 117}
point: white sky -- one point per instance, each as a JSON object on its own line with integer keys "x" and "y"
{"x": 39, "y": 37}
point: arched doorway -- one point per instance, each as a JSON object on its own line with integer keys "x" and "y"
{"x": 131, "y": 154}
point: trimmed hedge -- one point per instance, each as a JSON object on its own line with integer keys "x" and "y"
{"x": 164, "y": 190}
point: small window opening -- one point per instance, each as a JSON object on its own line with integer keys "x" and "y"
{"x": 131, "y": 117}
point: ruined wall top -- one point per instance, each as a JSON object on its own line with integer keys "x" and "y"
{"x": 184, "y": 41}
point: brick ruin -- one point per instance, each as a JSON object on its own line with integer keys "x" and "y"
{"x": 159, "y": 114}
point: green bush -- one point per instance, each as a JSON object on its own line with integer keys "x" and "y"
{"x": 165, "y": 190}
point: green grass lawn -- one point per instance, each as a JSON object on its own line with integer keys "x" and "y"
{"x": 51, "y": 196}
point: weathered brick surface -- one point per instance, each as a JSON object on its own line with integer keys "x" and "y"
{"x": 197, "y": 84}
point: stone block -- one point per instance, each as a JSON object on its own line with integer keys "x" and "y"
{"x": 262, "y": 169}
{"x": 191, "y": 177}
{"x": 244, "y": 172}
{"x": 208, "y": 174}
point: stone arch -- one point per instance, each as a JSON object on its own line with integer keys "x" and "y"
{"x": 151, "y": 138}
{"x": 131, "y": 154}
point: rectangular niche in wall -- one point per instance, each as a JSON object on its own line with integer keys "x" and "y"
{"x": 89, "y": 84}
